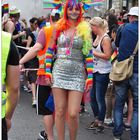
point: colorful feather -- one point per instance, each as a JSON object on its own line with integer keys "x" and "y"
{"x": 58, "y": 4}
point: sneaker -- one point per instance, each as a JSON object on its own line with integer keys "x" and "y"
{"x": 25, "y": 88}
{"x": 117, "y": 138}
{"x": 100, "y": 128}
{"x": 111, "y": 124}
{"x": 108, "y": 121}
{"x": 43, "y": 135}
{"x": 93, "y": 126}
{"x": 127, "y": 127}
{"x": 34, "y": 103}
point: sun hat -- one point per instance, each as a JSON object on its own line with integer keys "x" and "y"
{"x": 14, "y": 10}
{"x": 134, "y": 11}
{"x": 55, "y": 11}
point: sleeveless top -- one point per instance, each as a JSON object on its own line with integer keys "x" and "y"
{"x": 101, "y": 65}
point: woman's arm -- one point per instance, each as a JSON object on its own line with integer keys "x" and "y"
{"x": 18, "y": 35}
{"x": 107, "y": 50}
{"x": 29, "y": 41}
{"x": 49, "y": 56}
{"x": 31, "y": 53}
{"x": 34, "y": 50}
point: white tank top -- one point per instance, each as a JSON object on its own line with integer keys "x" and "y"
{"x": 100, "y": 65}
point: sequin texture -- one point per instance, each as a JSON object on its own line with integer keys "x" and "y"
{"x": 68, "y": 70}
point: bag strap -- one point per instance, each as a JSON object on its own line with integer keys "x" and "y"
{"x": 136, "y": 49}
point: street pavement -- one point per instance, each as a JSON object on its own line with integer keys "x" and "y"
{"x": 26, "y": 124}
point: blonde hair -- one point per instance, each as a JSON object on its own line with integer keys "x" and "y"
{"x": 102, "y": 23}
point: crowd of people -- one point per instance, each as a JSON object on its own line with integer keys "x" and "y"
{"x": 64, "y": 57}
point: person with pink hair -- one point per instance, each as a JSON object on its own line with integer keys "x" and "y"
{"x": 72, "y": 42}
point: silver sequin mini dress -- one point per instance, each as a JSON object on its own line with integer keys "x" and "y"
{"x": 68, "y": 70}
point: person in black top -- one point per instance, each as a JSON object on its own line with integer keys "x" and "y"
{"x": 12, "y": 72}
{"x": 33, "y": 64}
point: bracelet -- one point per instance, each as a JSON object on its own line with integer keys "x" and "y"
{"x": 20, "y": 64}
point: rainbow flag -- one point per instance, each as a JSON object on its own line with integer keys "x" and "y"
{"x": 92, "y": 4}
{"x": 114, "y": 55}
{"x": 57, "y": 4}
{"x": 5, "y": 8}
{"x": 52, "y": 4}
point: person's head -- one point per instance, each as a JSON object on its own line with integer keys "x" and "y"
{"x": 73, "y": 10}
{"x": 55, "y": 15}
{"x": 112, "y": 11}
{"x": 98, "y": 25}
{"x": 133, "y": 14}
{"x": 14, "y": 13}
{"x": 33, "y": 23}
{"x": 25, "y": 22}
{"x": 114, "y": 31}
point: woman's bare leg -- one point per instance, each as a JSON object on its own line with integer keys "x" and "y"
{"x": 60, "y": 100}
{"x": 33, "y": 88}
{"x": 48, "y": 124}
{"x": 74, "y": 101}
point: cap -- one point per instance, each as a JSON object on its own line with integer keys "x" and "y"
{"x": 55, "y": 11}
{"x": 134, "y": 11}
{"x": 14, "y": 10}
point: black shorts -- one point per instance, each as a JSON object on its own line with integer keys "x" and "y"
{"x": 4, "y": 130}
{"x": 32, "y": 76}
{"x": 43, "y": 92}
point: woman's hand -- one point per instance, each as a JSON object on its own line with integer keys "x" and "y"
{"x": 8, "y": 123}
{"x": 21, "y": 67}
{"x": 48, "y": 81}
{"x": 22, "y": 33}
{"x": 88, "y": 86}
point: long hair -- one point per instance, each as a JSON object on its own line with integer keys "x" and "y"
{"x": 83, "y": 28}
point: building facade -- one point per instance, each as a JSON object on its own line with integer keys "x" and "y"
{"x": 121, "y": 4}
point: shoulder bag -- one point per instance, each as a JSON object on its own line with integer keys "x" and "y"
{"x": 124, "y": 69}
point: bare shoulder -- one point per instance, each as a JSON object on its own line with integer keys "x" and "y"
{"x": 106, "y": 39}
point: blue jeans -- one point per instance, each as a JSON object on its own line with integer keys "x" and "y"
{"x": 121, "y": 89}
{"x": 97, "y": 95}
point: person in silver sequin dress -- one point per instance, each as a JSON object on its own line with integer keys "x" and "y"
{"x": 69, "y": 75}
{"x": 68, "y": 71}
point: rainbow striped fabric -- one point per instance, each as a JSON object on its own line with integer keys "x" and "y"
{"x": 89, "y": 67}
{"x": 114, "y": 55}
{"x": 5, "y": 8}
{"x": 52, "y": 4}
{"x": 49, "y": 55}
{"x": 57, "y": 4}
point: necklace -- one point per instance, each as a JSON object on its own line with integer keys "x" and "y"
{"x": 68, "y": 47}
